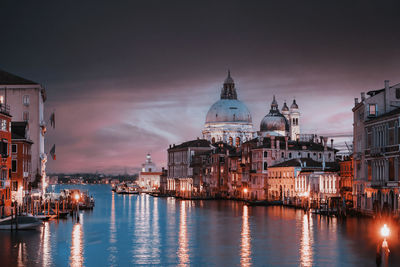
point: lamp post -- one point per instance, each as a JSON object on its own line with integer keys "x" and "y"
{"x": 385, "y": 231}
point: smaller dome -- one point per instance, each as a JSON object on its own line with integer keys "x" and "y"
{"x": 274, "y": 120}
{"x": 294, "y": 105}
{"x": 285, "y": 107}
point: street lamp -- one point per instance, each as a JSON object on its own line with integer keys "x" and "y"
{"x": 385, "y": 231}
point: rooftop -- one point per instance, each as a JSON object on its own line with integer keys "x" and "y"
{"x": 7, "y": 78}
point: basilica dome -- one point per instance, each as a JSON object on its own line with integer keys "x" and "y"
{"x": 228, "y": 120}
{"x": 228, "y": 110}
{"x": 274, "y": 122}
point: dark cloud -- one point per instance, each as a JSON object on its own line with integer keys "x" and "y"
{"x": 159, "y": 65}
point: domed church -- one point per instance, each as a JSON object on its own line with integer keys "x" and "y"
{"x": 285, "y": 123}
{"x": 228, "y": 119}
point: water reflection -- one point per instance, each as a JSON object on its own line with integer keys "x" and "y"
{"x": 306, "y": 242}
{"x": 21, "y": 254}
{"x": 76, "y": 256}
{"x": 156, "y": 234}
{"x": 113, "y": 231}
{"x": 46, "y": 246}
{"x": 183, "y": 238}
{"x": 245, "y": 251}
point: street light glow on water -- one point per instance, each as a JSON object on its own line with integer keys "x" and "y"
{"x": 139, "y": 229}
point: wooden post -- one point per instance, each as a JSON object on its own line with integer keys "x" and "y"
{"x": 16, "y": 215}
{"x": 11, "y": 219}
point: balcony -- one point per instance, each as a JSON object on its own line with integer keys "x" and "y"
{"x": 380, "y": 184}
{"x": 5, "y": 109}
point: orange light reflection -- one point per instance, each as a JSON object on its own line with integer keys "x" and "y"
{"x": 183, "y": 239}
{"x": 245, "y": 251}
{"x": 306, "y": 257}
{"x": 76, "y": 257}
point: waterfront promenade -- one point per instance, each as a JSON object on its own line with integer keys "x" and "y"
{"x": 128, "y": 230}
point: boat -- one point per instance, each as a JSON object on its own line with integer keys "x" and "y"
{"x": 133, "y": 189}
{"x": 121, "y": 189}
{"x": 23, "y": 222}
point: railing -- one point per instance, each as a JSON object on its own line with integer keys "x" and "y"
{"x": 384, "y": 183}
{"x": 4, "y": 108}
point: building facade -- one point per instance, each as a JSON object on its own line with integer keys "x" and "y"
{"x": 5, "y": 147}
{"x": 149, "y": 177}
{"x": 20, "y": 160}
{"x": 180, "y": 180}
{"x": 376, "y": 150}
{"x": 26, "y": 100}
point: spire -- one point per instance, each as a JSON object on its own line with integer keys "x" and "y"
{"x": 228, "y": 91}
{"x": 294, "y": 105}
{"x": 274, "y": 105}
{"x": 285, "y": 107}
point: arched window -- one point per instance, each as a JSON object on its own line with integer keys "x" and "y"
{"x": 230, "y": 140}
{"x": 265, "y": 166}
{"x": 237, "y": 141}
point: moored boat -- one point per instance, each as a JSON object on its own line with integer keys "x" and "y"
{"x": 22, "y": 222}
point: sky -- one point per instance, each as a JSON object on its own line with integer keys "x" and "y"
{"x": 130, "y": 77}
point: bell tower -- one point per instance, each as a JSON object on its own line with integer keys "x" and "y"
{"x": 294, "y": 116}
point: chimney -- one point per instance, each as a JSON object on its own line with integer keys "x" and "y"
{"x": 286, "y": 143}
{"x": 385, "y": 94}
{"x": 332, "y": 143}
{"x": 169, "y": 145}
{"x": 362, "y": 96}
{"x": 355, "y": 101}
{"x": 387, "y": 84}
{"x": 325, "y": 143}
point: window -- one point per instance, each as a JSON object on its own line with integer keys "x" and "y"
{"x": 14, "y": 186}
{"x": 14, "y": 165}
{"x": 265, "y": 154}
{"x": 372, "y": 110}
{"x": 265, "y": 166}
{"x": 25, "y": 116}
{"x": 14, "y": 148}
{"x": 3, "y": 125}
{"x": 397, "y": 93}
{"x": 1, "y": 99}
{"x": 4, "y": 149}
{"x": 26, "y": 100}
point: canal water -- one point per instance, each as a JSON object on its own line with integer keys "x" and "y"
{"x": 129, "y": 230}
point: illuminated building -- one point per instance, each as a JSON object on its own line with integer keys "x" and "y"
{"x": 26, "y": 99}
{"x": 228, "y": 120}
{"x": 20, "y": 160}
{"x": 376, "y": 155}
{"x": 149, "y": 177}
{"x": 5, "y": 145}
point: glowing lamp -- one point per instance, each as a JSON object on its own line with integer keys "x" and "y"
{"x": 245, "y": 190}
{"x": 76, "y": 197}
{"x": 385, "y": 231}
